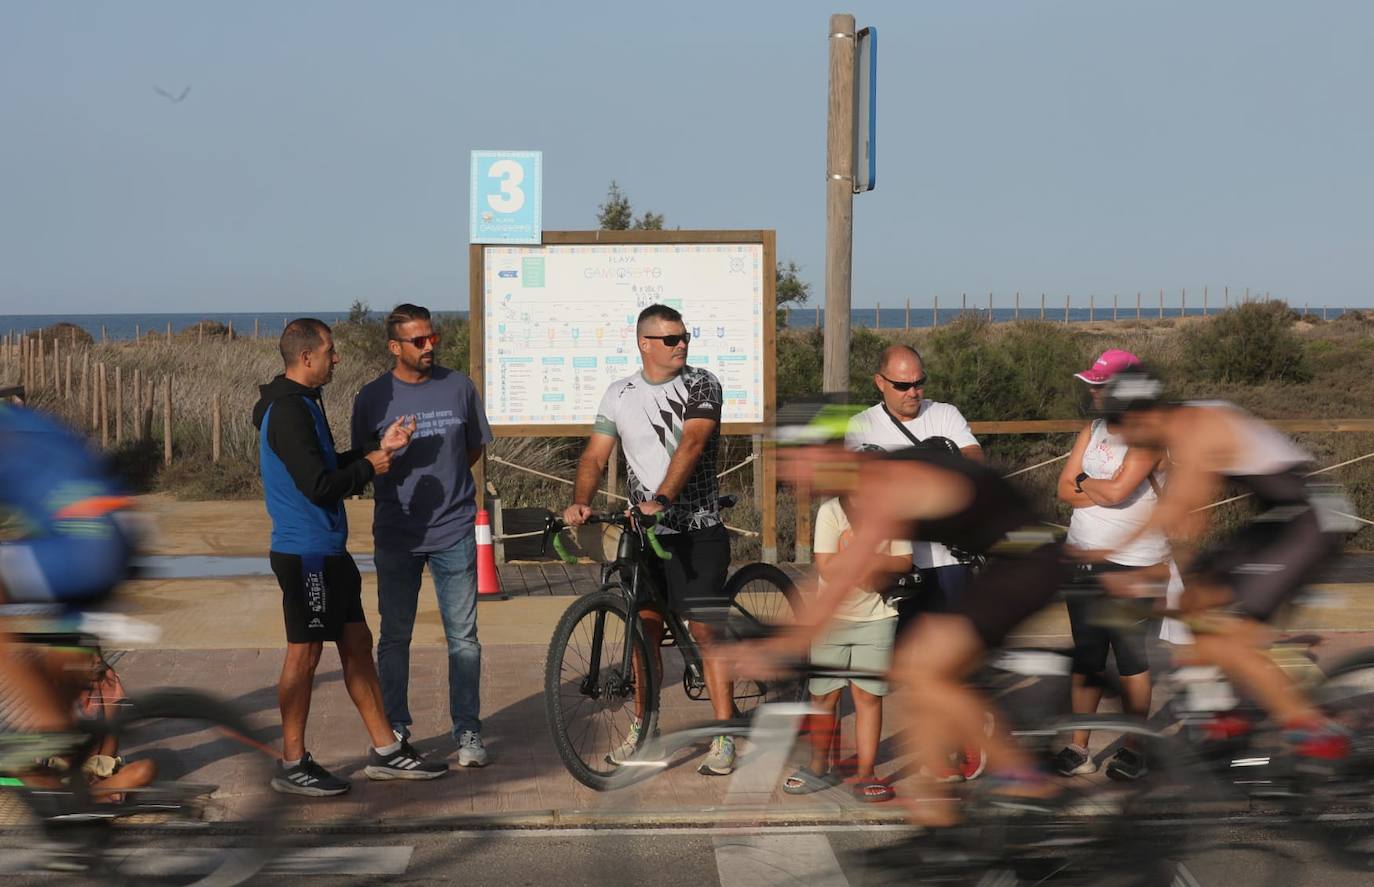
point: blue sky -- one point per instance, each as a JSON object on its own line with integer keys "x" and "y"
{"x": 321, "y": 156}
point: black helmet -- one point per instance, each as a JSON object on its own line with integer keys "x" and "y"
{"x": 1134, "y": 388}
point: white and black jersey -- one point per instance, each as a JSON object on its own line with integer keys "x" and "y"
{"x": 648, "y": 419}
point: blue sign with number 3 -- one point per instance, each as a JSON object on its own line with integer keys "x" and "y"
{"x": 507, "y": 197}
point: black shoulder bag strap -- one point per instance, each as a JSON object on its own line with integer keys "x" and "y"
{"x": 900, "y": 427}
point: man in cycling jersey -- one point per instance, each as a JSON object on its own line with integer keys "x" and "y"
{"x": 1236, "y": 585}
{"x": 62, "y": 541}
{"x": 667, "y": 419}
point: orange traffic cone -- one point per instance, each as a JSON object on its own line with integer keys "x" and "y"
{"x": 488, "y": 579}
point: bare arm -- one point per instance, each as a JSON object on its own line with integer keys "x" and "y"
{"x": 589, "y": 470}
{"x": 475, "y": 455}
{"x": 1135, "y": 468}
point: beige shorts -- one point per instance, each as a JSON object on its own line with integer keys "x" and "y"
{"x": 861, "y": 646}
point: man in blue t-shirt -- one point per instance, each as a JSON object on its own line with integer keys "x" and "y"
{"x": 423, "y": 514}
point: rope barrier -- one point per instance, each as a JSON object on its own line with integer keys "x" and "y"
{"x": 1222, "y": 502}
{"x": 1036, "y": 465}
{"x": 747, "y": 459}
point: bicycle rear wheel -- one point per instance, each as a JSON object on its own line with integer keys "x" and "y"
{"x": 191, "y": 803}
{"x": 763, "y": 595}
{"x": 599, "y": 711}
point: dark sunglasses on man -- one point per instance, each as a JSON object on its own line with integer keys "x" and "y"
{"x": 420, "y": 341}
{"x": 905, "y": 386}
{"x": 671, "y": 341}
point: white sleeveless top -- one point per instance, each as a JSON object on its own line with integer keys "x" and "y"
{"x": 1100, "y": 526}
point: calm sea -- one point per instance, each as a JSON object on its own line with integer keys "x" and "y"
{"x": 127, "y": 326}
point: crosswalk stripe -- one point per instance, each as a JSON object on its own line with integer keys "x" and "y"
{"x": 777, "y": 860}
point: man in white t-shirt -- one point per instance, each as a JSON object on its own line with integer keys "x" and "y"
{"x": 903, "y": 418}
{"x": 666, "y": 418}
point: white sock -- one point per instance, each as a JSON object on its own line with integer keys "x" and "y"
{"x": 289, "y": 764}
{"x": 388, "y": 749}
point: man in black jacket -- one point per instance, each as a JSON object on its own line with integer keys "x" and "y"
{"x": 305, "y": 481}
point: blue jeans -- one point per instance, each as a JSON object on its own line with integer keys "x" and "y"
{"x": 454, "y": 571}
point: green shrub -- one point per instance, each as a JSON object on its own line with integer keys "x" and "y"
{"x": 1252, "y": 344}
{"x": 1015, "y": 371}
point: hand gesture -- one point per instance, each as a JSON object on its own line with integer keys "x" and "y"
{"x": 398, "y": 434}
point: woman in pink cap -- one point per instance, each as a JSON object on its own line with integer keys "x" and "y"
{"x": 1112, "y": 489}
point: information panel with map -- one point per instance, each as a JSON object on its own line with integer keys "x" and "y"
{"x": 558, "y": 323}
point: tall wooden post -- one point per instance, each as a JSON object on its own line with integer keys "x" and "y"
{"x": 839, "y": 203}
{"x": 85, "y": 377}
{"x": 1042, "y": 306}
{"x": 138, "y": 332}
{"x": 57, "y": 364}
{"x": 136, "y": 407}
{"x": 935, "y": 312}
{"x": 1161, "y": 304}
{"x": 42, "y": 361}
{"x": 1016, "y": 315}
{"x": 877, "y": 315}
{"x": 1092, "y": 307}
{"x": 989, "y": 307}
{"x": 1204, "y": 301}
{"x": 255, "y": 328}
{"x": 906, "y": 324}
{"x": 1066, "y": 308}
{"x": 1114, "y": 301}
{"x": 1137, "y": 304}
{"x": 169, "y": 332}
{"x": 1183, "y": 302}
{"x": 67, "y": 389}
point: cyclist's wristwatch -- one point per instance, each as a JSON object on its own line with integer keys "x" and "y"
{"x": 662, "y": 500}
{"x": 1078, "y": 481}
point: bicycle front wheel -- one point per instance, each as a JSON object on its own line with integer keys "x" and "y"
{"x": 190, "y": 800}
{"x": 600, "y": 708}
{"x": 763, "y": 595}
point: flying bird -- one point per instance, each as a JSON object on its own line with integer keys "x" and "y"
{"x": 174, "y": 99}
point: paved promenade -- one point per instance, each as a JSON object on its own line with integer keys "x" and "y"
{"x": 225, "y": 635}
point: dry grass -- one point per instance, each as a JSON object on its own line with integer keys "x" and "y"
{"x": 1340, "y": 354}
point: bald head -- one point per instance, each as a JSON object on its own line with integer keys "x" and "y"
{"x": 900, "y": 379}
{"x": 901, "y": 353}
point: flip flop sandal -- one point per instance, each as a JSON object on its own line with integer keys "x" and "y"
{"x": 805, "y": 782}
{"x": 873, "y": 792}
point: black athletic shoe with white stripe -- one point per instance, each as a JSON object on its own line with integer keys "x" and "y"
{"x": 308, "y": 778}
{"x": 404, "y": 763}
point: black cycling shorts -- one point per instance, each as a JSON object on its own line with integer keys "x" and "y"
{"x": 1092, "y": 641}
{"x": 320, "y": 594}
{"x": 694, "y": 579}
{"x": 1266, "y": 562}
{"x": 1010, "y": 588}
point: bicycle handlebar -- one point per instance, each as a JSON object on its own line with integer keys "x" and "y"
{"x": 634, "y": 520}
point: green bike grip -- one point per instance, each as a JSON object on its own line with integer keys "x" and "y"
{"x": 657, "y": 546}
{"x": 560, "y": 550}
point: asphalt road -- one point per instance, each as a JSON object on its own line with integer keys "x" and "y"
{"x": 1240, "y": 853}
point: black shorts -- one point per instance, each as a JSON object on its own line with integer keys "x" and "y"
{"x": 1092, "y": 640}
{"x": 1266, "y": 562}
{"x": 694, "y": 579}
{"x": 1010, "y": 588}
{"x": 320, "y": 594}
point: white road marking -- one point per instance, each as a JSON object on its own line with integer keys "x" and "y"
{"x": 778, "y": 860}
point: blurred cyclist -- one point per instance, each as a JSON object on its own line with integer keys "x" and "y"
{"x": 64, "y": 541}
{"x": 1244, "y": 578}
{"x": 932, "y": 495}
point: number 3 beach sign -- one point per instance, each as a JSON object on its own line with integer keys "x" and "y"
{"x": 507, "y": 197}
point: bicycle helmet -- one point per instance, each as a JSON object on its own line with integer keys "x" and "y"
{"x": 1136, "y": 388}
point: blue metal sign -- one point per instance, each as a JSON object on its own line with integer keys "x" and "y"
{"x": 507, "y": 198}
{"x": 866, "y": 110}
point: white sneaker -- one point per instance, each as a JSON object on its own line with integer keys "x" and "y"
{"x": 471, "y": 752}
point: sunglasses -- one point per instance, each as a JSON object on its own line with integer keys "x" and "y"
{"x": 422, "y": 341}
{"x": 671, "y": 341}
{"x": 905, "y": 386}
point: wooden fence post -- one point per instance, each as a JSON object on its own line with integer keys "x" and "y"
{"x": 214, "y": 430}
{"x": 231, "y": 329}
{"x": 167, "y": 424}
{"x": 119, "y": 405}
{"x": 1183, "y": 302}
{"x": 169, "y": 332}
{"x": 95, "y": 396}
{"x": 1161, "y": 304}
{"x": 68, "y": 387}
{"x": 102, "y": 334}
{"x": 1066, "y": 308}
{"x": 1092, "y": 308}
{"x": 85, "y": 378}
{"x": 255, "y": 328}
{"x": 136, "y": 408}
{"x": 104, "y": 407}
{"x": 1016, "y": 315}
{"x": 963, "y": 305}
{"x": 935, "y": 312}
{"x": 906, "y": 324}
{"x": 138, "y": 332}
{"x": 1042, "y": 306}
{"x": 1137, "y": 304}
{"x": 42, "y": 361}
{"x": 877, "y": 315}
{"x": 200, "y": 333}
{"x": 1114, "y": 307}
{"x": 1204, "y": 301}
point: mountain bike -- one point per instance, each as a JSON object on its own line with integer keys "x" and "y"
{"x": 201, "y": 814}
{"x": 601, "y": 681}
